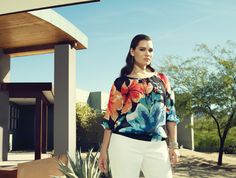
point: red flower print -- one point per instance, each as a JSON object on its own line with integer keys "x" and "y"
{"x": 132, "y": 93}
{"x": 115, "y": 103}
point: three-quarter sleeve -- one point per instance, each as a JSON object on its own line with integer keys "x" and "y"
{"x": 170, "y": 100}
{"x": 170, "y": 108}
{"x": 115, "y": 103}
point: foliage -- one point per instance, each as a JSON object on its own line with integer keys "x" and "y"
{"x": 89, "y": 130}
{"x": 86, "y": 116}
{"x": 207, "y": 85}
{"x": 183, "y": 105}
{"x": 205, "y": 137}
{"x": 82, "y": 167}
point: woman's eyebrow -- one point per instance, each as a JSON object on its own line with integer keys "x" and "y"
{"x": 145, "y": 47}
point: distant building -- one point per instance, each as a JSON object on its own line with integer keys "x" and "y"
{"x": 97, "y": 100}
{"x": 22, "y": 118}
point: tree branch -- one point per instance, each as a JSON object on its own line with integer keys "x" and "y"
{"x": 215, "y": 119}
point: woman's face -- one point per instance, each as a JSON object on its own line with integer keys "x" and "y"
{"x": 143, "y": 53}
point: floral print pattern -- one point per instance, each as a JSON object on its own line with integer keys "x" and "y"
{"x": 140, "y": 107}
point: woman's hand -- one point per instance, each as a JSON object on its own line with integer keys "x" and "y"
{"x": 102, "y": 162}
{"x": 174, "y": 156}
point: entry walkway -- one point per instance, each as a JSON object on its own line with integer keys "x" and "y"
{"x": 20, "y": 157}
{"x": 193, "y": 164}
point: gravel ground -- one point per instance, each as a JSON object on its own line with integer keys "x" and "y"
{"x": 204, "y": 165}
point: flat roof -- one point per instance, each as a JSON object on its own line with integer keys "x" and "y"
{"x": 7, "y": 7}
{"x": 37, "y": 32}
{"x": 25, "y": 93}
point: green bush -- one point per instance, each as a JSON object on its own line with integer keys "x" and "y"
{"x": 89, "y": 130}
{"x": 206, "y": 136}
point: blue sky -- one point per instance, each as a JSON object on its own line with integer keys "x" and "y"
{"x": 175, "y": 27}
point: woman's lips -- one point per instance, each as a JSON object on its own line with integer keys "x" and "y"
{"x": 147, "y": 59}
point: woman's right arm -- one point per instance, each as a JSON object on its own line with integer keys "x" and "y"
{"x": 115, "y": 103}
{"x": 102, "y": 161}
{"x": 106, "y": 140}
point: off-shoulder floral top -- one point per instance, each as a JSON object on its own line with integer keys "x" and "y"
{"x": 140, "y": 107}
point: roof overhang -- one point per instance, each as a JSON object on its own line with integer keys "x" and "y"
{"x": 37, "y": 32}
{"x": 13, "y": 6}
{"x": 25, "y": 93}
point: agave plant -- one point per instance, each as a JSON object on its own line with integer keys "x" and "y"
{"x": 82, "y": 167}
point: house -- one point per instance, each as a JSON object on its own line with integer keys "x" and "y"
{"x": 39, "y": 32}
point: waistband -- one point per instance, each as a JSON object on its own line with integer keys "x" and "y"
{"x": 143, "y": 137}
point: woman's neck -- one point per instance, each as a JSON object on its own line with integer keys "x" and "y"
{"x": 140, "y": 72}
{"x": 139, "y": 69}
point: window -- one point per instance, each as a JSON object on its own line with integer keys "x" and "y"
{"x": 14, "y": 116}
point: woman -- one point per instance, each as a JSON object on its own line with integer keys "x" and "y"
{"x": 140, "y": 111}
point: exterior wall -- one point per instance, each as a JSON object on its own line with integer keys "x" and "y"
{"x": 94, "y": 100}
{"x": 4, "y": 106}
{"x": 4, "y": 125}
{"x": 104, "y": 100}
{"x": 82, "y": 96}
{"x": 97, "y": 100}
{"x": 186, "y": 133}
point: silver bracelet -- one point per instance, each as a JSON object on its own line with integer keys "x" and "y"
{"x": 173, "y": 144}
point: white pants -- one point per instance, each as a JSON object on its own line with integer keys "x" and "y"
{"x": 128, "y": 156}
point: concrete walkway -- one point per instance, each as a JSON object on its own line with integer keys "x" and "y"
{"x": 193, "y": 164}
{"x": 21, "y": 157}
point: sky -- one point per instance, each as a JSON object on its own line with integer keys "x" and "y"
{"x": 174, "y": 26}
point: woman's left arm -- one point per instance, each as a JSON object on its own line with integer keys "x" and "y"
{"x": 171, "y": 123}
{"x": 173, "y": 144}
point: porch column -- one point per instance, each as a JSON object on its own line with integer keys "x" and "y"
{"x": 38, "y": 128}
{"x": 4, "y": 106}
{"x": 65, "y": 100}
{"x": 44, "y": 127}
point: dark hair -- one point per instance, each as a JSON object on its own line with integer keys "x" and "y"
{"x": 127, "y": 69}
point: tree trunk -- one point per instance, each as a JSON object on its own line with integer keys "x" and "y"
{"x": 221, "y": 151}
{"x": 222, "y": 139}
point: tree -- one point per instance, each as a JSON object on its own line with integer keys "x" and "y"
{"x": 208, "y": 84}
{"x": 89, "y": 131}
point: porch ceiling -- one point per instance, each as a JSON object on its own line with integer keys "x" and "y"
{"x": 37, "y": 32}
{"x": 25, "y": 93}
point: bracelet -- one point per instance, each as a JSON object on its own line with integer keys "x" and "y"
{"x": 174, "y": 145}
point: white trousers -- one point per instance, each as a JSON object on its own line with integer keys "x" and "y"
{"x": 128, "y": 156}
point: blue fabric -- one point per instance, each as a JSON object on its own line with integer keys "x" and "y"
{"x": 140, "y": 107}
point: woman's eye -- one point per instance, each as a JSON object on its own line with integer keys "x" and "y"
{"x": 150, "y": 50}
{"x": 144, "y": 49}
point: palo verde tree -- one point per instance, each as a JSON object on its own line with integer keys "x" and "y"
{"x": 207, "y": 84}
